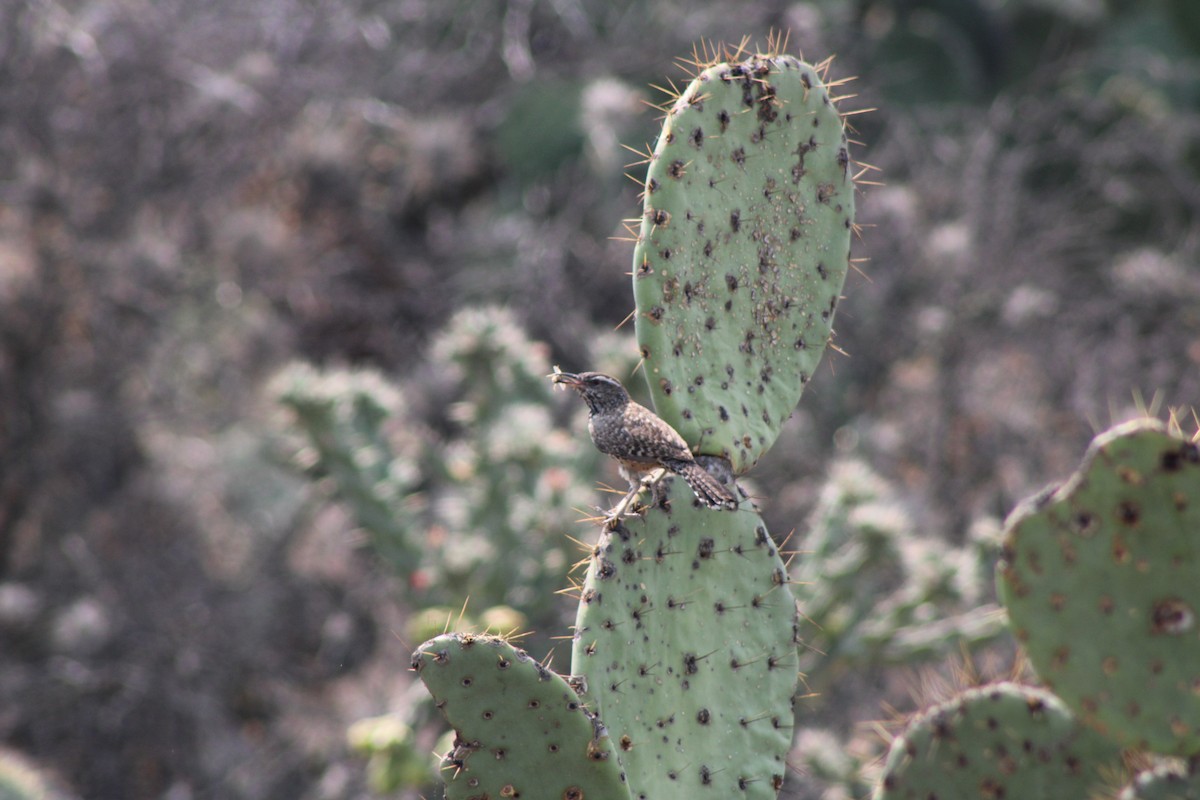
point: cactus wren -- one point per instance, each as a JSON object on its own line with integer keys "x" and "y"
{"x": 639, "y": 439}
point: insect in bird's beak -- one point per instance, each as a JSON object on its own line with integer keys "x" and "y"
{"x": 561, "y": 378}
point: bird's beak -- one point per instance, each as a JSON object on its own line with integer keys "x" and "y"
{"x": 567, "y": 378}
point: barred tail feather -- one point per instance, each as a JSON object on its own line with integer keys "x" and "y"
{"x": 708, "y": 489}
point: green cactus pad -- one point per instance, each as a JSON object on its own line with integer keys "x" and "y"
{"x": 686, "y": 641}
{"x": 998, "y": 741}
{"x": 1165, "y": 782}
{"x": 521, "y": 729}
{"x": 742, "y": 252}
{"x": 1101, "y": 578}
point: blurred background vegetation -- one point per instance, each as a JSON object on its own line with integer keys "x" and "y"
{"x": 228, "y": 226}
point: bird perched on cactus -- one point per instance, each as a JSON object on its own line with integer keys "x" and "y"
{"x": 639, "y": 439}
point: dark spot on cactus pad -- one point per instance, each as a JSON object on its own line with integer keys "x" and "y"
{"x": 628, "y": 555}
{"x": 487, "y": 714}
{"x": 822, "y": 271}
{"x": 666, "y": 387}
{"x": 824, "y": 192}
{"x": 669, "y": 287}
{"x": 705, "y": 775}
{"x": 843, "y": 159}
{"x": 799, "y": 344}
{"x": 732, "y": 282}
{"x": 1172, "y": 616}
{"x": 1129, "y": 513}
{"x": 747, "y": 94}
{"x": 652, "y": 186}
{"x": 677, "y": 169}
{"x": 1085, "y": 524}
{"x": 766, "y": 109}
{"x": 710, "y": 323}
{"x": 706, "y": 546}
{"x": 1060, "y": 658}
{"x": 670, "y": 137}
{"x": 607, "y": 569}
{"x": 626, "y": 742}
{"x": 503, "y": 663}
{"x": 644, "y": 268}
{"x": 735, "y": 220}
{"x": 708, "y": 249}
{"x": 697, "y": 137}
{"x": 644, "y": 351}
{"x": 739, "y": 156}
{"x": 688, "y": 292}
{"x": 687, "y": 412}
{"x": 656, "y": 313}
{"x": 666, "y": 254}
{"x": 466, "y": 682}
{"x": 660, "y": 217}
{"x": 724, "y": 413}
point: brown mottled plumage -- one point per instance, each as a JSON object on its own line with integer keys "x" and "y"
{"x": 639, "y": 439}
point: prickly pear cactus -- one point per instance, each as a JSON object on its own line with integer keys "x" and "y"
{"x": 1002, "y": 740}
{"x": 685, "y": 636}
{"x": 685, "y": 640}
{"x": 742, "y": 252}
{"x": 1100, "y": 581}
{"x": 522, "y": 731}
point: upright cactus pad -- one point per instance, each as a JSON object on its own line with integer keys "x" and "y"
{"x": 1102, "y": 583}
{"x": 521, "y": 729}
{"x": 999, "y": 741}
{"x": 742, "y": 252}
{"x": 685, "y": 636}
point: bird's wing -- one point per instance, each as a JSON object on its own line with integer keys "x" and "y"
{"x": 644, "y": 427}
